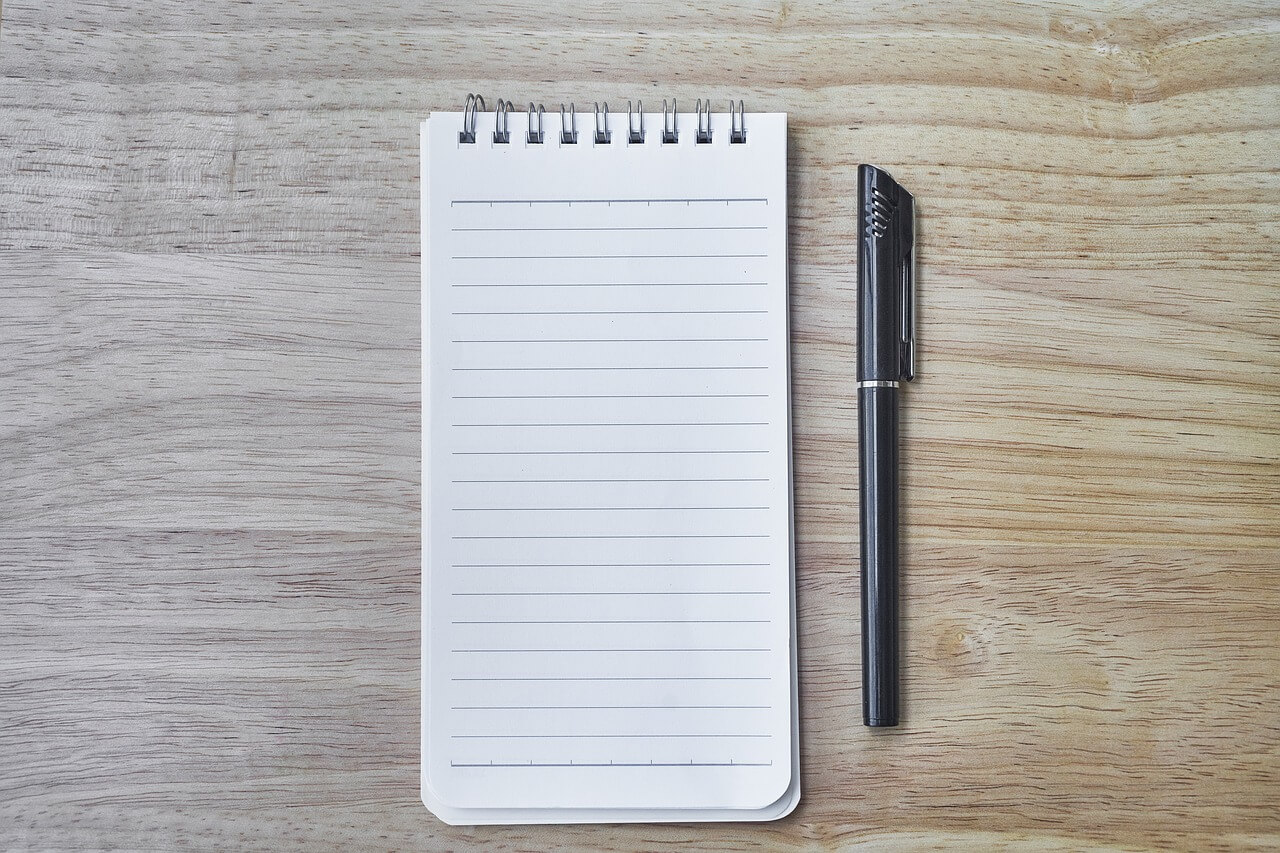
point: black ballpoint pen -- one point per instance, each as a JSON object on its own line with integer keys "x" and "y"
{"x": 886, "y": 356}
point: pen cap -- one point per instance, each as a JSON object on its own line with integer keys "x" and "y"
{"x": 886, "y": 278}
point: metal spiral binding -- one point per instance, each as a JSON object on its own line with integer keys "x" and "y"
{"x": 502, "y": 122}
{"x": 473, "y": 103}
{"x": 602, "y": 125}
{"x": 703, "y": 135}
{"x": 531, "y": 137}
{"x": 602, "y": 135}
{"x": 737, "y": 124}
{"x": 569, "y": 132}
{"x": 669, "y": 132}
{"x": 634, "y": 136}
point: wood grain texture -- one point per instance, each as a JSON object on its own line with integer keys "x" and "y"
{"x": 211, "y": 482}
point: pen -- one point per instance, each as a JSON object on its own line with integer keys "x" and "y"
{"x": 886, "y": 356}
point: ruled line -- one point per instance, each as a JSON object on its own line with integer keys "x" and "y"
{"x": 605, "y": 340}
{"x": 598, "y": 508}
{"x": 611, "y": 736}
{"x": 619, "y": 228}
{"x": 608, "y": 257}
{"x": 630, "y": 536}
{"x": 593, "y": 565}
{"x": 632, "y": 480}
{"x": 615, "y": 678}
{"x": 605, "y": 396}
{"x": 540, "y": 592}
{"x": 618, "y": 424}
{"x": 610, "y": 707}
{"x": 599, "y": 313}
{"x": 612, "y": 284}
{"x": 615, "y": 367}
{"x": 592, "y": 452}
{"x": 593, "y": 651}
{"x": 605, "y": 201}
{"x": 623, "y": 764}
{"x": 607, "y": 622}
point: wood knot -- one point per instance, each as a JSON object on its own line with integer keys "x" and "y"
{"x": 961, "y": 645}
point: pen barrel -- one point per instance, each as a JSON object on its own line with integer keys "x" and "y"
{"x": 878, "y": 429}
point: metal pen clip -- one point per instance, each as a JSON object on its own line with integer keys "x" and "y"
{"x": 906, "y": 243}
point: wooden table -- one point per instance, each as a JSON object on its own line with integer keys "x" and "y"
{"x": 210, "y": 478}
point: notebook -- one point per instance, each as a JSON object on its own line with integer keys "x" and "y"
{"x": 608, "y": 620}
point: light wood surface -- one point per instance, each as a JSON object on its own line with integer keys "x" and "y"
{"x": 210, "y": 479}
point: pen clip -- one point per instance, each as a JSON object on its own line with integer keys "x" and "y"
{"x": 906, "y": 245}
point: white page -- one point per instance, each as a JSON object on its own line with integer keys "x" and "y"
{"x": 607, "y": 547}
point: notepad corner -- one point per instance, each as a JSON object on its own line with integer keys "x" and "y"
{"x": 786, "y": 802}
{"x": 436, "y": 804}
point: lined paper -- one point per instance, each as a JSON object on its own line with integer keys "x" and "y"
{"x": 607, "y": 543}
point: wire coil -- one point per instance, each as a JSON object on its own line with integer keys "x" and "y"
{"x": 601, "y": 133}
{"x": 473, "y": 104}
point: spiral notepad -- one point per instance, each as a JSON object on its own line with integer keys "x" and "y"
{"x": 608, "y": 610}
